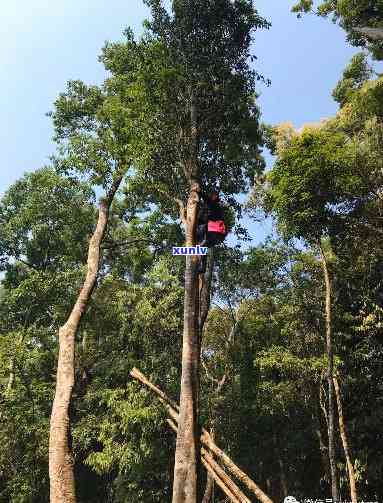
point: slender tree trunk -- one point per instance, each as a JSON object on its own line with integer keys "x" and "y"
{"x": 12, "y": 375}
{"x": 61, "y": 463}
{"x": 330, "y": 371}
{"x": 209, "y": 488}
{"x": 12, "y": 365}
{"x": 322, "y": 447}
{"x": 205, "y": 290}
{"x": 205, "y": 281}
{"x": 284, "y": 489}
{"x": 11, "y": 379}
{"x": 186, "y": 467}
{"x": 345, "y": 442}
{"x": 282, "y": 474}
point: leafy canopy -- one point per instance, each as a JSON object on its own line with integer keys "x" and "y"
{"x": 199, "y": 53}
{"x": 306, "y": 187}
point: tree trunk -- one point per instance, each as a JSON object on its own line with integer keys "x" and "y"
{"x": 322, "y": 447}
{"x": 186, "y": 466}
{"x": 330, "y": 371}
{"x": 205, "y": 290}
{"x": 11, "y": 379}
{"x": 346, "y": 447}
{"x": 283, "y": 491}
{"x": 12, "y": 364}
{"x": 186, "y": 458}
{"x": 61, "y": 463}
{"x": 283, "y": 479}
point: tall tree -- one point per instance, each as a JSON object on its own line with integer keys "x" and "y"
{"x": 61, "y": 462}
{"x": 50, "y": 218}
{"x": 330, "y": 371}
{"x": 307, "y": 189}
{"x": 90, "y": 144}
{"x": 197, "y": 97}
{"x": 45, "y": 219}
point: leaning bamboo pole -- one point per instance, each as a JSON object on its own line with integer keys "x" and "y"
{"x": 235, "y": 470}
{"x": 223, "y": 475}
{"x": 224, "y": 482}
{"x": 207, "y": 441}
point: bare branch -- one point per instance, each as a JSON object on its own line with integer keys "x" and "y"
{"x": 371, "y": 33}
{"x": 207, "y": 372}
{"x": 114, "y": 244}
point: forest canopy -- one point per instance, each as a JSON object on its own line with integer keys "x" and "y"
{"x": 251, "y": 374}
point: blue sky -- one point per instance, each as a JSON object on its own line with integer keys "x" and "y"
{"x": 44, "y": 43}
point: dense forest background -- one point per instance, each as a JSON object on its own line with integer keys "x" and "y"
{"x": 275, "y": 306}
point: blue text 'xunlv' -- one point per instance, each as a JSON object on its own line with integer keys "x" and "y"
{"x": 190, "y": 250}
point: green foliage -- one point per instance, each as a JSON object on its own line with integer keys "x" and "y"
{"x": 44, "y": 220}
{"x": 308, "y": 183}
{"x": 93, "y": 134}
{"x": 354, "y": 76}
{"x": 202, "y": 51}
{"x": 263, "y": 342}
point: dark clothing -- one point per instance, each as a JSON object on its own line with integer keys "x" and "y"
{"x": 214, "y": 238}
{"x": 201, "y": 234}
{"x": 215, "y": 211}
{"x": 209, "y": 211}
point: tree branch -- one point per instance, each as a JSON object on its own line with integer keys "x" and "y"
{"x": 371, "y": 33}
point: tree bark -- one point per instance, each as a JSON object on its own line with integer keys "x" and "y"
{"x": 205, "y": 290}
{"x": 283, "y": 479}
{"x": 330, "y": 371}
{"x": 186, "y": 466}
{"x": 11, "y": 378}
{"x": 283, "y": 490}
{"x": 322, "y": 447}
{"x": 61, "y": 462}
{"x": 217, "y": 474}
{"x": 345, "y": 443}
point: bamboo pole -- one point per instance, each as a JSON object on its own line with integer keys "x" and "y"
{"x": 164, "y": 397}
{"x": 211, "y": 469}
{"x": 223, "y": 475}
{"x": 235, "y": 470}
{"x": 206, "y": 439}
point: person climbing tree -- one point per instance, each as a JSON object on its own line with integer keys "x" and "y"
{"x": 211, "y": 228}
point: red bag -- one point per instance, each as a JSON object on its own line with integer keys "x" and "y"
{"x": 217, "y": 226}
